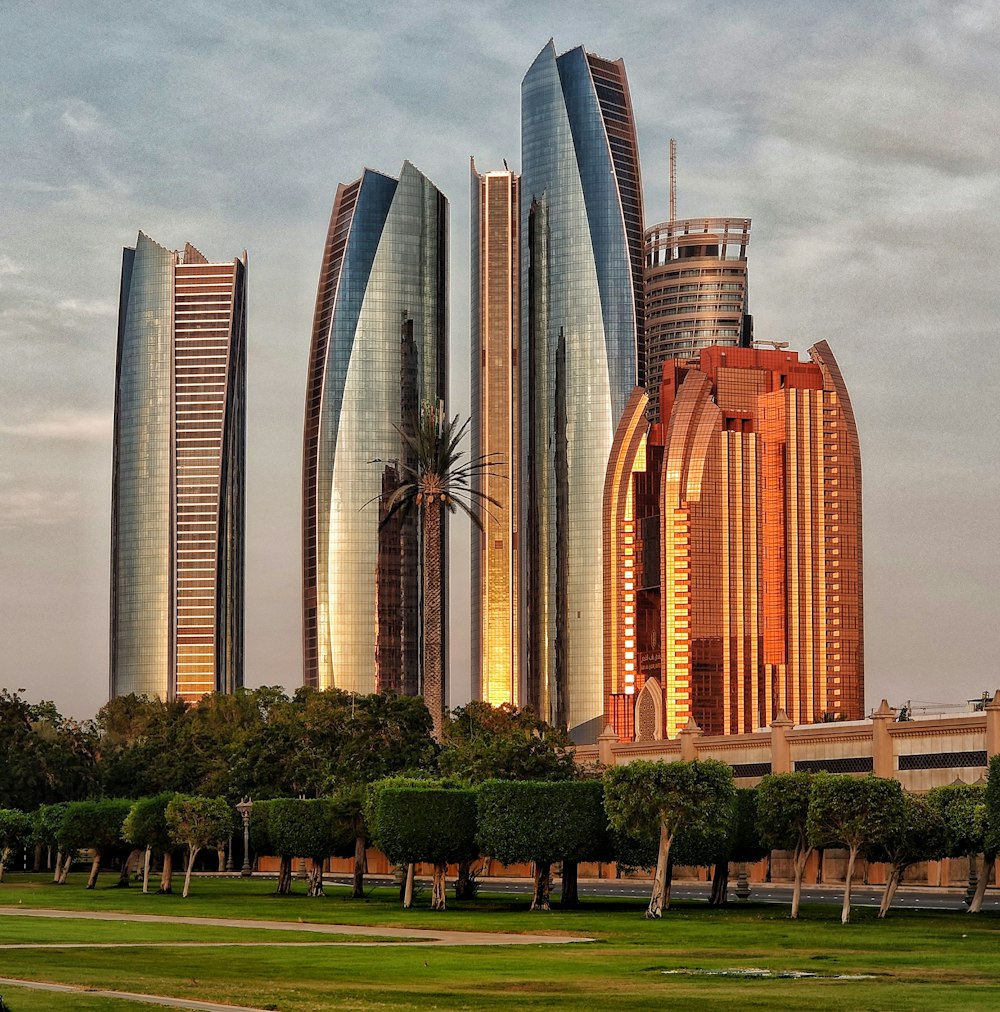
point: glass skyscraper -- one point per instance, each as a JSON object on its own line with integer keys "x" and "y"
{"x": 178, "y": 487}
{"x": 582, "y": 356}
{"x": 379, "y": 350}
{"x": 496, "y": 426}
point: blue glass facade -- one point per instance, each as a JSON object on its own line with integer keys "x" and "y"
{"x": 581, "y": 268}
{"x": 378, "y": 350}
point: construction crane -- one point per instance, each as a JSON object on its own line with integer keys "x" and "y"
{"x": 673, "y": 179}
{"x": 776, "y": 345}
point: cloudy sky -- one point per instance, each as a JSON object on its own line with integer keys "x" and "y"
{"x": 863, "y": 138}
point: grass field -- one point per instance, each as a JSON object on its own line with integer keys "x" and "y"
{"x": 913, "y": 960}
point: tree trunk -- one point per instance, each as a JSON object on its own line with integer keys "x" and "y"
{"x": 720, "y": 884}
{"x": 4, "y": 855}
{"x": 433, "y": 666}
{"x": 192, "y": 854}
{"x": 145, "y": 868}
{"x": 891, "y": 884}
{"x": 95, "y": 869}
{"x": 358, "y": 891}
{"x": 845, "y": 914}
{"x": 167, "y": 874}
{"x": 285, "y": 876}
{"x": 570, "y": 885}
{"x": 408, "y": 887}
{"x": 802, "y": 853}
{"x": 67, "y": 863}
{"x": 57, "y": 871}
{"x": 37, "y": 862}
{"x": 465, "y": 886}
{"x": 438, "y": 889}
{"x": 985, "y": 874}
{"x": 543, "y": 876}
{"x": 221, "y": 851}
{"x": 660, "y": 884}
{"x": 669, "y": 882}
{"x": 127, "y": 868}
{"x": 316, "y": 878}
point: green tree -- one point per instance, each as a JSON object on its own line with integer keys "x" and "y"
{"x": 197, "y": 822}
{"x": 439, "y": 482}
{"x": 742, "y": 843}
{"x": 15, "y": 831}
{"x": 782, "y": 821}
{"x": 423, "y": 820}
{"x": 482, "y": 742}
{"x": 44, "y": 758}
{"x": 146, "y": 826}
{"x": 963, "y": 810}
{"x": 857, "y": 813}
{"x": 919, "y": 836}
{"x": 657, "y": 799}
{"x": 312, "y": 828}
{"x": 543, "y": 822}
{"x": 47, "y": 820}
{"x": 96, "y": 825}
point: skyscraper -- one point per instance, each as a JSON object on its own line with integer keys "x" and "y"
{"x": 696, "y": 292}
{"x": 178, "y": 494}
{"x": 379, "y": 347}
{"x": 496, "y": 428}
{"x": 753, "y": 548}
{"x": 582, "y": 355}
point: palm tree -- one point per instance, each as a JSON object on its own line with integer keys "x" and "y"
{"x": 436, "y": 480}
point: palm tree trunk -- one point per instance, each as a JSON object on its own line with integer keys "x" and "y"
{"x": 433, "y": 588}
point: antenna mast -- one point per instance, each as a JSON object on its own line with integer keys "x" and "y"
{"x": 673, "y": 179}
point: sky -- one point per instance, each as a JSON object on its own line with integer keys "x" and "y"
{"x": 862, "y": 138}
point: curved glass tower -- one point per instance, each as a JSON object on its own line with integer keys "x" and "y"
{"x": 581, "y": 312}
{"x": 378, "y": 350}
{"x": 177, "y": 487}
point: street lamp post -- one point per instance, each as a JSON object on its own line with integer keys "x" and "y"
{"x": 245, "y": 807}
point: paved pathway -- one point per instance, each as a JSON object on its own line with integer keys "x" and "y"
{"x": 417, "y": 936}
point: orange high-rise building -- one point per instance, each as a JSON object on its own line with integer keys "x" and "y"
{"x": 758, "y": 546}
{"x": 496, "y": 433}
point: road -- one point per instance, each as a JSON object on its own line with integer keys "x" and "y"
{"x": 907, "y": 897}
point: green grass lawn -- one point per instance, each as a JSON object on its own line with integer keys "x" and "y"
{"x": 915, "y": 959}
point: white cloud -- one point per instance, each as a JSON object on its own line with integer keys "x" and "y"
{"x": 79, "y": 426}
{"x": 26, "y": 507}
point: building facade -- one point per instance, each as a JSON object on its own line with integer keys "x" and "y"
{"x": 582, "y": 356}
{"x": 177, "y": 527}
{"x": 749, "y": 552}
{"x": 695, "y": 292}
{"x": 379, "y": 351}
{"x": 496, "y": 433}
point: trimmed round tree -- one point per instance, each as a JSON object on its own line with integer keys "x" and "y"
{"x": 309, "y": 828}
{"x": 963, "y": 809}
{"x": 96, "y": 825}
{"x": 47, "y": 821}
{"x": 432, "y": 821}
{"x": 543, "y": 822}
{"x": 658, "y": 799}
{"x": 859, "y": 813}
{"x": 782, "y": 821}
{"x": 196, "y": 822}
{"x": 146, "y": 826}
{"x": 15, "y": 830}
{"x": 920, "y": 836}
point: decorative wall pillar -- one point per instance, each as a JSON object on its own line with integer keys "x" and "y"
{"x": 883, "y": 758}
{"x": 689, "y": 735}
{"x": 781, "y": 759}
{"x": 605, "y": 741}
{"x": 993, "y": 726}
